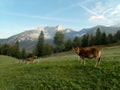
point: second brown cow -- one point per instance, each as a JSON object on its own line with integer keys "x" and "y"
{"x": 31, "y": 59}
{"x": 89, "y": 52}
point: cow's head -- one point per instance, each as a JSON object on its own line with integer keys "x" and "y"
{"x": 35, "y": 57}
{"x": 77, "y": 50}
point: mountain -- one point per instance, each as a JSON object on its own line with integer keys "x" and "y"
{"x": 28, "y": 39}
{"x": 107, "y": 30}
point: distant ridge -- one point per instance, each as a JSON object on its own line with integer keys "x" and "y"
{"x": 28, "y": 39}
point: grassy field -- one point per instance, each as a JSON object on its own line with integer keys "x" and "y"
{"x": 62, "y": 72}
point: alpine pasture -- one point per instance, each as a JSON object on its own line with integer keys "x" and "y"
{"x": 62, "y": 72}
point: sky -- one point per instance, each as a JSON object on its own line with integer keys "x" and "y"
{"x": 17, "y": 16}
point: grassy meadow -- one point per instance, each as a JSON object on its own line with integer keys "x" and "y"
{"x": 62, "y": 72}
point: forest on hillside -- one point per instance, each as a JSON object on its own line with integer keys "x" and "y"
{"x": 60, "y": 44}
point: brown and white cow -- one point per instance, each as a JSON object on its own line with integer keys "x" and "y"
{"x": 31, "y": 59}
{"x": 89, "y": 52}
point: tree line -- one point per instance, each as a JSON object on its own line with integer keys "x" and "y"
{"x": 13, "y": 50}
{"x": 60, "y": 44}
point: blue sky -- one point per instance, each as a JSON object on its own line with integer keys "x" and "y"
{"x": 19, "y": 15}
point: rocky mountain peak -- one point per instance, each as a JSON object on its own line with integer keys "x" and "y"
{"x": 60, "y": 27}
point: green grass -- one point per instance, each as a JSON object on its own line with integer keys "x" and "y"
{"x": 62, "y": 72}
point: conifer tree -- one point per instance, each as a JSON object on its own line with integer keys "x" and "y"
{"x": 85, "y": 41}
{"x": 16, "y": 50}
{"x": 110, "y": 39}
{"x": 48, "y": 49}
{"x": 91, "y": 40}
{"x": 6, "y": 49}
{"x": 68, "y": 45}
{"x": 59, "y": 40}
{"x": 77, "y": 42}
{"x": 104, "y": 38}
{"x": 40, "y": 45}
{"x": 98, "y": 37}
{"x": 0, "y": 49}
{"x": 23, "y": 53}
{"x": 117, "y": 36}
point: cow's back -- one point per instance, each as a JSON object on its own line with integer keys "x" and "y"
{"x": 90, "y": 52}
{"x": 30, "y": 59}
{"x": 97, "y": 50}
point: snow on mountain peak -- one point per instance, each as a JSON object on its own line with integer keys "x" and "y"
{"x": 60, "y": 27}
{"x": 33, "y": 34}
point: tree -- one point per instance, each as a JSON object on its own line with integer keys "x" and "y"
{"x": 23, "y": 53}
{"x": 104, "y": 39}
{"x": 110, "y": 39}
{"x": 16, "y": 50}
{"x": 98, "y": 37}
{"x": 117, "y": 36}
{"x": 68, "y": 45}
{"x": 35, "y": 51}
{"x": 0, "y": 49}
{"x": 48, "y": 49}
{"x": 40, "y": 45}
{"x": 59, "y": 41}
{"x": 77, "y": 42}
{"x": 91, "y": 40}
{"x": 85, "y": 41}
{"x": 5, "y": 49}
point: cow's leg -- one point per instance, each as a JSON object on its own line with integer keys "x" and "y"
{"x": 99, "y": 55}
{"x": 97, "y": 61}
{"x": 81, "y": 61}
{"x": 96, "y": 64}
{"x": 84, "y": 62}
{"x": 32, "y": 61}
{"x": 98, "y": 58}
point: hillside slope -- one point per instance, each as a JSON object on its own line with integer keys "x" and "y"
{"x": 64, "y": 72}
{"x": 6, "y": 60}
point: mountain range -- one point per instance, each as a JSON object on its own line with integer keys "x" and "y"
{"x": 28, "y": 39}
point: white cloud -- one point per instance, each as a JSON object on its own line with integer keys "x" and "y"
{"x": 98, "y": 8}
{"x": 114, "y": 15}
{"x": 100, "y": 13}
{"x": 88, "y": 10}
{"x": 4, "y": 35}
{"x": 116, "y": 11}
{"x": 97, "y": 18}
{"x": 101, "y": 19}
